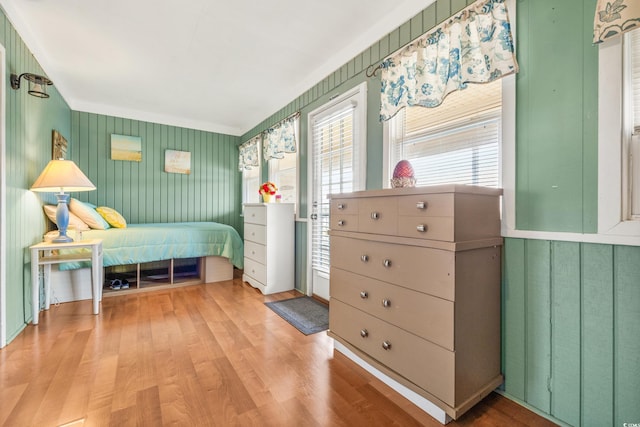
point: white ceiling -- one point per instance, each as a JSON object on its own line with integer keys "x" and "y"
{"x": 221, "y": 66}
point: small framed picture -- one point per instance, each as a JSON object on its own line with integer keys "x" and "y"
{"x": 59, "y": 145}
{"x": 177, "y": 162}
{"x": 125, "y": 147}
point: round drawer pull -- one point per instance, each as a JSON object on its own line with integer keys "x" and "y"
{"x": 386, "y": 345}
{"x": 364, "y": 333}
{"x": 375, "y": 215}
{"x": 341, "y": 206}
{"x": 421, "y": 228}
{"x": 364, "y": 294}
{"x": 386, "y": 263}
{"x": 386, "y": 303}
{"x": 341, "y": 222}
{"x": 421, "y": 205}
{"x": 364, "y": 258}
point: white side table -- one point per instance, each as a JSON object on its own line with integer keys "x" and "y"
{"x": 41, "y": 256}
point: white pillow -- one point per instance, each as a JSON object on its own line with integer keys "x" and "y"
{"x": 88, "y": 215}
{"x": 74, "y": 221}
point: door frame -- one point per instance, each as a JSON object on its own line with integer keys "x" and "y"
{"x": 359, "y": 92}
{"x": 3, "y": 201}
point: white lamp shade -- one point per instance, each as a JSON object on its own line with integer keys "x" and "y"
{"x": 62, "y": 176}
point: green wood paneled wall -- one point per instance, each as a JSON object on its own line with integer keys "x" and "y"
{"x": 142, "y": 191}
{"x": 571, "y": 318}
{"x": 29, "y": 122}
{"x": 557, "y": 110}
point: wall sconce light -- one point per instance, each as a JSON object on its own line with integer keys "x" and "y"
{"x": 37, "y": 84}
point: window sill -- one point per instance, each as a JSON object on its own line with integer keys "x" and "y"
{"x": 608, "y": 238}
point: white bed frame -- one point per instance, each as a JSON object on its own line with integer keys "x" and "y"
{"x": 74, "y": 285}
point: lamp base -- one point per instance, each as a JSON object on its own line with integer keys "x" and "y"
{"x": 62, "y": 217}
{"x": 62, "y": 239}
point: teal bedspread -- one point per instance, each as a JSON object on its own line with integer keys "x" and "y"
{"x": 140, "y": 243}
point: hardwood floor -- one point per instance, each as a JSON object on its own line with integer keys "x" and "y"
{"x": 203, "y": 355}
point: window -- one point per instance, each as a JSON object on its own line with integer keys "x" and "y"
{"x": 632, "y": 70}
{"x": 618, "y": 137}
{"x": 250, "y": 185}
{"x": 251, "y": 173}
{"x": 284, "y": 172}
{"x": 457, "y": 142}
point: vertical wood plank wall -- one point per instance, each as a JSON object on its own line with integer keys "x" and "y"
{"x": 556, "y": 116}
{"x": 29, "y": 122}
{"x": 571, "y": 319}
{"x": 142, "y": 191}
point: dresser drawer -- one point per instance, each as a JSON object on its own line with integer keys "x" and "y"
{"x": 255, "y": 214}
{"x": 344, "y": 222}
{"x": 426, "y": 364}
{"x": 255, "y": 233}
{"x": 255, "y": 251}
{"x": 378, "y": 215}
{"x": 426, "y": 205}
{"x": 344, "y": 207}
{"x": 426, "y": 227}
{"x": 421, "y": 314}
{"x": 255, "y": 269}
{"x": 427, "y": 270}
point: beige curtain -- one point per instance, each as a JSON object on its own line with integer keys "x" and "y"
{"x": 614, "y": 17}
{"x": 248, "y": 154}
{"x": 474, "y": 46}
{"x": 280, "y": 138}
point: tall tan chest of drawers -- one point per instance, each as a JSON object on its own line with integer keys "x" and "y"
{"x": 415, "y": 290}
{"x": 269, "y": 241}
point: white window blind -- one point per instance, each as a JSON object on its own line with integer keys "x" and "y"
{"x": 456, "y": 142}
{"x": 334, "y": 160}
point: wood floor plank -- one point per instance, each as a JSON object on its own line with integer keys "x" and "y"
{"x": 61, "y": 383}
{"x": 148, "y": 408}
{"x": 203, "y": 355}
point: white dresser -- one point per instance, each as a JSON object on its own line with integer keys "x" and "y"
{"x": 415, "y": 291}
{"x": 269, "y": 241}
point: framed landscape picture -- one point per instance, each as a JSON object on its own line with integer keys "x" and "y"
{"x": 125, "y": 147}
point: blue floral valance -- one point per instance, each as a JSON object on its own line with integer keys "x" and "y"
{"x": 280, "y": 139}
{"x": 249, "y": 154}
{"x": 614, "y": 18}
{"x": 474, "y": 46}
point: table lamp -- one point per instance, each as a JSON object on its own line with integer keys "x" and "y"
{"x": 60, "y": 176}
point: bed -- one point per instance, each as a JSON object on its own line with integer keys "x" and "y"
{"x": 215, "y": 247}
{"x": 141, "y": 243}
{"x": 218, "y": 246}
